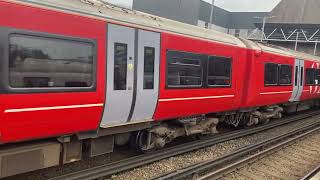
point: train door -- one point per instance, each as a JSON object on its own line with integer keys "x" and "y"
{"x": 147, "y": 81}
{"x": 298, "y": 80}
{"x": 132, "y": 75}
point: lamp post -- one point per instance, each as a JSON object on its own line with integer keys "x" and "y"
{"x": 264, "y": 20}
{"x": 211, "y": 14}
{"x": 297, "y": 39}
{"x": 315, "y": 47}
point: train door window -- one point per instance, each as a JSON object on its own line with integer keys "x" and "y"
{"x": 43, "y": 62}
{"x": 271, "y": 74}
{"x": 310, "y": 76}
{"x": 296, "y": 76}
{"x": 149, "y": 58}
{"x": 219, "y": 71}
{"x": 184, "y": 71}
{"x": 318, "y": 76}
{"x": 285, "y": 75}
{"x": 120, "y": 66}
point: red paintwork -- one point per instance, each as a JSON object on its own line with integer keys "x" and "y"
{"x": 253, "y": 95}
{"x": 173, "y": 109}
{"x": 310, "y": 92}
{"x": 38, "y": 124}
{"x": 247, "y": 80}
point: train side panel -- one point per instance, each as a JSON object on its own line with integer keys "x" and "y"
{"x": 311, "y": 88}
{"x": 258, "y": 94}
{"x": 31, "y": 115}
{"x": 184, "y": 102}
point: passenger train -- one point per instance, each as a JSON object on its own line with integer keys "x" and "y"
{"x": 79, "y": 77}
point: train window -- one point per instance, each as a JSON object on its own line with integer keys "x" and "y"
{"x": 120, "y": 66}
{"x": 149, "y": 58}
{"x": 219, "y": 71}
{"x": 285, "y": 75}
{"x": 318, "y": 76}
{"x": 184, "y": 72}
{"x": 271, "y": 74}
{"x": 39, "y": 62}
{"x": 310, "y": 76}
{"x": 296, "y": 76}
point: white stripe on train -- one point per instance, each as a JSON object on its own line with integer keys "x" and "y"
{"x": 196, "y": 98}
{"x": 53, "y": 108}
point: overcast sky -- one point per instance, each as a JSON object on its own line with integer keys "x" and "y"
{"x": 246, "y": 5}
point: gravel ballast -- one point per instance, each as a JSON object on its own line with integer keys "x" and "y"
{"x": 175, "y": 163}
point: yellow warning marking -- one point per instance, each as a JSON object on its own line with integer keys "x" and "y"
{"x": 130, "y": 66}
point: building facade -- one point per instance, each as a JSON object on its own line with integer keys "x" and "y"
{"x": 186, "y": 11}
{"x": 236, "y": 23}
{"x": 197, "y": 12}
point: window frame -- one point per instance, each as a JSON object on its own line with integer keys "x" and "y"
{"x": 231, "y": 71}
{"x": 5, "y": 86}
{"x": 279, "y": 69}
{"x": 144, "y": 67}
{"x": 264, "y": 74}
{"x": 314, "y": 77}
{"x": 192, "y": 56}
{"x": 114, "y": 65}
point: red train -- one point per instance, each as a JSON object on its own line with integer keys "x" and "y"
{"x": 80, "y": 76}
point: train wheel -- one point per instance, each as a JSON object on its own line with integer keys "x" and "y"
{"x": 144, "y": 141}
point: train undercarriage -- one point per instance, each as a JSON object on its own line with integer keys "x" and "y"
{"x": 143, "y": 137}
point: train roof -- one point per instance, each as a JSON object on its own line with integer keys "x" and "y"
{"x": 279, "y": 50}
{"x": 112, "y": 13}
{"x": 105, "y": 11}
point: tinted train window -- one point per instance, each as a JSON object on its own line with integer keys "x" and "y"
{"x": 149, "y": 58}
{"x": 120, "y": 66}
{"x": 318, "y": 76}
{"x": 38, "y": 62}
{"x": 310, "y": 76}
{"x": 285, "y": 75}
{"x": 184, "y": 72}
{"x": 271, "y": 74}
{"x": 219, "y": 71}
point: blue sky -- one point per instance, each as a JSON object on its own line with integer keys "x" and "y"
{"x": 246, "y": 5}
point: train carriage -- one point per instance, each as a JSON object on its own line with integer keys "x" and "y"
{"x": 281, "y": 76}
{"x": 81, "y": 76}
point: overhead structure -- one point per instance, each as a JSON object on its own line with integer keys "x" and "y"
{"x": 293, "y": 22}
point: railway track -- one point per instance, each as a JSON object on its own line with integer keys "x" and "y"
{"x": 288, "y": 156}
{"x": 313, "y": 175}
{"x": 140, "y": 160}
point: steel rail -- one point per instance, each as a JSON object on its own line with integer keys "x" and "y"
{"x": 144, "y": 159}
{"x": 231, "y": 161}
{"x": 313, "y": 173}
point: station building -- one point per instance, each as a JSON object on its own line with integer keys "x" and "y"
{"x": 197, "y": 12}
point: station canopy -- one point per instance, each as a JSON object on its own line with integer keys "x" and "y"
{"x": 293, "y": 20}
